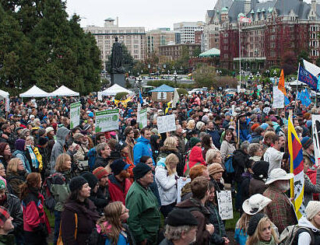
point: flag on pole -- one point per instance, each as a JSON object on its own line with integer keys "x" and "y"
{"x": 140, "y": 98}
{"x": 305, "y": 98}
{"x": 318, "y": 86}
{"x": 281, "y": 86}
{"x": 296, "y": 167}
{"x": 306, "y": 77}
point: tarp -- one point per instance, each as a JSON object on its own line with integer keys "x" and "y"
{"x": 4, "y": 94}
{"x": 163, "y": 88}
{"x": 34, "y": 92}
{"x": 114, "y": 89}
{"x": 210, "y": 53}
{"x": 64, "y": 91}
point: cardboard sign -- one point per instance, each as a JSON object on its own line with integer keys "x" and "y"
{"x": 75, "y": 114}
{"x": 225, "y": 204}
{"x": 166, "y": 124}
{"x": 107, "y": 120}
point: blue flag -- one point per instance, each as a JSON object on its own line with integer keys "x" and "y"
{"x": 305, "y": 98}
{"x": 318, "y": 86}
{"x": 140, "y": 98}
{"x": 308, "y": 78}
{"x": 286, "y": 100}
{"x": 298, "y": 97}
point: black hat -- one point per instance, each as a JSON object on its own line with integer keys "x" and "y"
{"x": 91, "y": 178}
{"x": 140, "y": 170}
{"x": 76, "y": 183}
{"x": 254, "y": 221}
{"x": 118, "y": 165}
{"x": 180, "y": 217}
{"x": 260, "y": 170}
{"x": 42, "y": 141}
{"x": 122, "y": 145}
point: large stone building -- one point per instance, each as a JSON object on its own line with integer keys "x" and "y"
{"x": 157, "y": 38}
{"x": 268, "y": 30}
{"x": 134, "y": 39}
{"x": 187, "y": 31}
{"x": 174, "y": 52}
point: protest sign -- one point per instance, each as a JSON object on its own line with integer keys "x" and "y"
{"x": 107, "y": 120}
{"x": 259, "y": 87}
{"x": 143, "y": 119}
{"x": 75, "y": 115}
{"x": 225, "y": 204}
{"x": 316, "y": 137}
{"x": 180, "y": 184}
{"x": 7, "y": 106}
{"x": 278, "y": 98}
{"x": 166, "y": 124}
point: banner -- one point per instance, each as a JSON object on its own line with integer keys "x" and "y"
{"x": 316, "y": 137}
{"x": 143, "y": 119}
{"x": 75, "y": 114}
{"x": 7, "y": 105}
{"x": 166, "y": 124}
{"x": 307, "y": 78}
{"x": 107, "y": 120}
{"x": 225, "y": 204}
{"x": 278, "y": 98}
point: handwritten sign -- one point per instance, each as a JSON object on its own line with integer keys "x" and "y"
{"x": 107, "y": 120}
{"x": 143, "y": 119}
{"x": 166, "y": 124}
{"x": 180, "y": 184}
{"x": 225, "y": 204}
{"x": 278, "y": 98}
{"x": 75, "y": 114}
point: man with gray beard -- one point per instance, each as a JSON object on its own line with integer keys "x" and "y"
{"x": 280, "y": 211}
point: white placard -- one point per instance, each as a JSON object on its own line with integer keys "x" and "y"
{"x": 99, "y": 95}
{"x": 234, "y": 110}
{"x": 75, "y": 114}
{"x": 162, "y": 95}
{"x": 238, "y": 88}
{"x": 259, "y": 87}
{"x": 107, "y": 120}
{"x": 166, "y": 124}
{"x": 7, "y": 106}
{"x": 143, "y": 119}
{"x": 138, "y": 112}
{"x": 278, "y": 98}
{"x": 316, "y": 137}
{"x": 181, "y": 182}
{"x": 225, "y": 204}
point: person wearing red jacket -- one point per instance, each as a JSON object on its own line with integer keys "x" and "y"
{"x": 35, "y": 222}
{"x": 119, "y": 182}
{"x": 195, "y": 158}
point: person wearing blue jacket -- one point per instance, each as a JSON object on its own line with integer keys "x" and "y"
{"x": 143, "y": 147}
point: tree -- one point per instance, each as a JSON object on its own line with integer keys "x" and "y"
{"x": 205, "y": 76}
{"x": 196, "y": 52}
{"x": 289, "y": 62}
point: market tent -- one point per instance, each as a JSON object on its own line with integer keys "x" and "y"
{"x": 210, "y": 53}
{"x": 3, "y": 94}
{"x": 34, "y": 92}
{"x": 163, "y": 88}
{"x": 64, "y": 91}
{"x": 296, "y": 83}
{"x": 114, "y": 89}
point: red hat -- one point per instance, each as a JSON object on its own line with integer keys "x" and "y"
{"x": 100, "y": 172}
{"x": 254, "y": 126}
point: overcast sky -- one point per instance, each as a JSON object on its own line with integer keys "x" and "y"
{"x": 150, "y": 14}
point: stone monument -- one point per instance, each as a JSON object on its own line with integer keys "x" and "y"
{"x": 117, "y": 70}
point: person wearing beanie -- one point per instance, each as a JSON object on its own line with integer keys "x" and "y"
{"x": 260, "y": 231}
{"x": 144, "y": 214}
{"x": 103, "y": 182}
{"x": 181, "y": 228}
{"x": 79, "y": 215}
{"x": 6, "y": 226}
{"x": 259, "y": 178}
{"x": 312, "y": 223}
{"x": 119, "y": 182}
{"x": 308, "y": 151}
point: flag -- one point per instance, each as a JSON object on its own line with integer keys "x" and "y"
{"x": 306, "y": 77}
{"x": 296, "y": 167}
{"x": 286, "y": 100}
{"x": 175, "y": 98}
{"x": 305, "y": 98}
{"x": 318, "y": 86}
{"x": 298, "y": 97}
{"x": 281, "y": 86}
{"x": 140, "y": 98}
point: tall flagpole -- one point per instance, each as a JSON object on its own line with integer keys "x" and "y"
{"x": 295, "y": 105}
{"x": 240, "y": 52}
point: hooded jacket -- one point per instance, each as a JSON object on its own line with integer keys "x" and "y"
{"x": 195, "y": 158}
{"x": 58, "y": 146}
{"x": 142, "y": 148}
{"x": 304, "y": 236}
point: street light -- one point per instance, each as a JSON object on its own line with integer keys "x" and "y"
{"x": 138, "y": 82}
{"x": 175, "y": 78}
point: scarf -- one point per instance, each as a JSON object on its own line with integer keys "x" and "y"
{"x": 271, "y": 242}
{"x": 34, "y": 160}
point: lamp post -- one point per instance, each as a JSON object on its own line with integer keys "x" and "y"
{"x": 175, "y": 78}
{"x": 275, "y": 76}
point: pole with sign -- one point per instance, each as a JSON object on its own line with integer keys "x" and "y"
{"x": 75, "y": 114}
{"x": 143, "y": 119}
{"x": 107, "y": 120}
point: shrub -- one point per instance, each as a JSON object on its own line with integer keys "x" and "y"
{"x": 120, "y": 95}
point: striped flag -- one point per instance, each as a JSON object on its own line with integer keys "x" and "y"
{"x": 296, "y": 167}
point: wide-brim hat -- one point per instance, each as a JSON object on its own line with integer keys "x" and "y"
{"x": 278, "y": 174}
{"x": 255, "y": 204}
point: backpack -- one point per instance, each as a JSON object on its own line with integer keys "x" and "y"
{"x": 59, "y": 241}
{"x": 228, "y": 163}
{"x": 92, "y": 154}
{"x": 49, "y": 200}
{"x": 289, "y": 235}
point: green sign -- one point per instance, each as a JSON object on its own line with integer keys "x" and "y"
{"x": 107, "y": 120}
{"x": 75, "y": 114}
{"x": 143, "y": 119}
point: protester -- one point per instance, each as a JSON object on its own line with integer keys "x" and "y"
{"x": 142, "y": 148}
{"x": 16, "y": 176}
{"x": 6, "y": 226}
{"x": 5, "y": 154}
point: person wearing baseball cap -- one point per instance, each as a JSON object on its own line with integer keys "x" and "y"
{"x": 119, "y": 182}
{"x": 144, "y": 214}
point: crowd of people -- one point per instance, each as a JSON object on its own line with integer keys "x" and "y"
{"x": 121, "y": 187}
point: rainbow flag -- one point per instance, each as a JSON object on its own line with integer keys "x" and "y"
{"x": 296, "y": 167}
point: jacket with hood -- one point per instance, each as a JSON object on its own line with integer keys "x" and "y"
{"x": 58, "y": 146}
{"x": 312, "y": 174}
{"x": 22, "y": 156}
{"x": 142, "y": 148}
{"x": 195, "y": 158}
{"x": 304, "y": 236}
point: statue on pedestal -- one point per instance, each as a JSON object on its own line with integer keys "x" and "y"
{"x": 117, "y": 58}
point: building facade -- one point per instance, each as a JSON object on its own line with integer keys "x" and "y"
{"x": 187, "y": 31}
{"x": 174, "y": 52}
{"x": 157, "y": 38}
{"x": 134, "y": 38}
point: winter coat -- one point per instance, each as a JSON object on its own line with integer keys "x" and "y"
{"x": 219, "y": 229}
{"x": 167, "y": 185}
{"x": 142, "y": 148}
{"x": 14, "y": 181}
{"x": 166, "y": 242}
{"x": 312, "y": 174}
{"x": 86, "y": 216}
{"x": 202, "y": 214}
{"x": 256, "y": 186}
{"x": 144, "y": 215}
{"x": 215, "y": 135}
{"x": 101, "y": 162}
{"x": 58, "y": 147}
{"x": 240, "y": 162}
{"x": 164, "y": 152}
{"x": 226, "y": 149}
{"x": 195, "y": 158}
{"x": 310, "y": 188}
{"x": 303, "y": 236}
{"x": 118, "y": 191}
{"x": 60, "y": 190}
{"x": 82, "y": 152}
{"x": 22, "y": 156}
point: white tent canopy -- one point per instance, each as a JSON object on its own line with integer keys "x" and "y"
{"x": 3, "y": 94}
{"x": 34, "y": 92}
{"x": 64, "y": 91}
{"x": 114, "y": 89}
{"x": 296, "y": 83}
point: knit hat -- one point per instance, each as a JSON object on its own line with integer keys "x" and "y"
{"x": 41, "y": 131}
{"x": 205, "y": 119}
{"x": 4, "y": 215}
{"x": 306, "y": 142}
{"x": 194, "y": 141}
{"x": 260, "y": 170}
{"x": 312, "y": 209}
{"x": 254, "y": 221}
{"x": 254, "y": 126}
{"x": 155, "y": 131}
{"x": 118, "y": 165}
{"x": 91, "y": 178}
{"x": 140, "y": 170}
{"x": 76, "y": 183}
{"x": 200, "y": 125}
{"x": 100, "y": 172}
{"x": 180, "y": 217}
{"x": 49, "y": 129}
{"x": 19, "y": 145}
{"x": 77, "y": 136}
{"x": 215, "y": 168}
{"x": 3, "y": 183}
{"x": 42, "y": 141}
{"x": 264, "y": 126}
